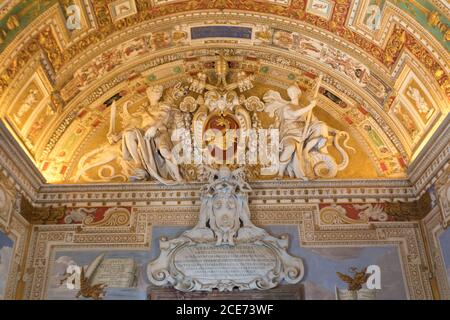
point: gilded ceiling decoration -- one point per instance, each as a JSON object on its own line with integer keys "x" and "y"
{"x": 73, "y": 71}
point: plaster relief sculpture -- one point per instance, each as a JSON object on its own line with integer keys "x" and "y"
{"x": 148, "y": 145}
{"x": 77, "y": 215}
{"x": 225, "y": 250}
{"x": 406, "y": 120}
{"x": 303, "y": 138}
{"x": 212, "y": 119}
{"x": 26, "y": 106}
{"x": 419, "y": 101}
{"x": 373, "y": 14}
{"x": 143, "y": 148}
{"x": 372, "y": 211}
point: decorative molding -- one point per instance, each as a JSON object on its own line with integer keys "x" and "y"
{"x": 203, "y": 258}
{"x": 17, "y": 165}
{"x": 16, "y": 228}
{"x": 428, "y": 165}
{"x": 29, "y": 181}
{"x": 405, "y": 235}
{"x": 45, "y": 215}
{"x": 434, "y": 227}
{"x": 150, "y": 193}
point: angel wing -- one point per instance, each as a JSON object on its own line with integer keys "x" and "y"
{"x": 93, "y": 266}
{"x": 361, "y": 277}
{"x": 127, "y": 118}
{"x": 345, "y": 277}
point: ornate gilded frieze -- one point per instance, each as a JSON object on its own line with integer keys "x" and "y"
{"x": 335, "y": 25}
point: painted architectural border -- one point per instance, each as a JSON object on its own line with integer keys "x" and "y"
{"x": 137, "y": 236}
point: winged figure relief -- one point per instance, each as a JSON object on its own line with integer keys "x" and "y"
{"x": 356, "y": 281}
{"x": 88, "y": 290}
{"x": 87, "y": 286}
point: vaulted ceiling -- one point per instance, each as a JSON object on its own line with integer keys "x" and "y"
{"x": 385, "y": 65}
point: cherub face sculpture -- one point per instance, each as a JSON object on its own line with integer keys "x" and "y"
{"x": 225, "y": 218}
{"x": 217, "y": 102}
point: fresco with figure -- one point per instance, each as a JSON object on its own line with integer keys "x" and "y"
{"x": 181, "y": 148}
{"x": 320, "y": 280}
{"x": 444, "y": 241}
{"x": 6, "y": 249}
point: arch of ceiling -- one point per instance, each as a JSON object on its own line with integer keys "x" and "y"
{"x": 386, "y": 89}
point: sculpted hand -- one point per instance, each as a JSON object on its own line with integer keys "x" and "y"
{"x": 113, "y": 138}
{"x": 150, "y": 133}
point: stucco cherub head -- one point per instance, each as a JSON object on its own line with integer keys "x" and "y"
{"x": 225, "y": 216}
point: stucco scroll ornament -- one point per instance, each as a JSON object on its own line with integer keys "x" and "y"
{"x": 225, "y": 250}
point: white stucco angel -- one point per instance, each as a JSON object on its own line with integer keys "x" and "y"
{"x": 146, "y": 142}
{"x": 303, "y": 138}
{"x": 419, "y": 100}
{"x": 373, "y": 16}
{"x": 294, "y": 144}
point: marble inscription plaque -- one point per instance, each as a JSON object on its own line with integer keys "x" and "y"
{"x": 225, "y": 251}
{"x": 116, "y": 273}
{"x": 208, "y": 262}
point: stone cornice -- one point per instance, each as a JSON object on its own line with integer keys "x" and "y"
{"x": 18, "y": 166}
{"x": 142, "y": 194}
{"x": 432, "y": 159}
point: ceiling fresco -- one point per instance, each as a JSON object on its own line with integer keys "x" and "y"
{"x": 384, "y": 70}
